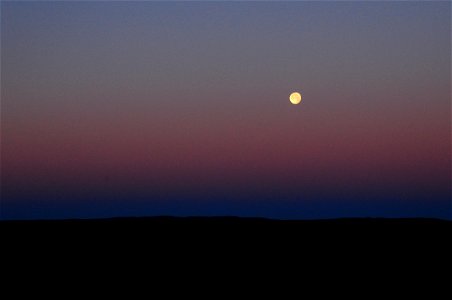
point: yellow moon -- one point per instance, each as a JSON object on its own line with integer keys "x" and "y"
{"x": 295, "y": 98}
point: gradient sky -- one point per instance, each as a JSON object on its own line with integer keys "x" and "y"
{"x": 181, "y": 108}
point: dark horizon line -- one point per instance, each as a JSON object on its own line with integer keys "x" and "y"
{"x": 230, "y": 218}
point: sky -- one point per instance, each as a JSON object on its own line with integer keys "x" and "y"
{"x": 182, "y": 108}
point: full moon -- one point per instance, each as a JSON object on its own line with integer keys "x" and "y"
{"x": 295, "y": 98}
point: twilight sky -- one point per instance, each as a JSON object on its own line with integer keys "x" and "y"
{"x": 181, "y": 108}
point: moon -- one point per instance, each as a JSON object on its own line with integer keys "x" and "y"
{"x": 295, "y": 98}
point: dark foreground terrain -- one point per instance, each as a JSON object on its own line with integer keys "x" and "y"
{"x": 215, "y": 226}
{"x": 372, "y": 243}
{"x": 236, "y": 220}
{"x": 231, "y": 222}
{"x": 235, "y": 231}
{"x": 166, "y": 220}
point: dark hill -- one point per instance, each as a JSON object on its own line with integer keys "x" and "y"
{"x": 333, "y": 240}
{"x": 236, "y": 225}
{"x": 231, "y": 221}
